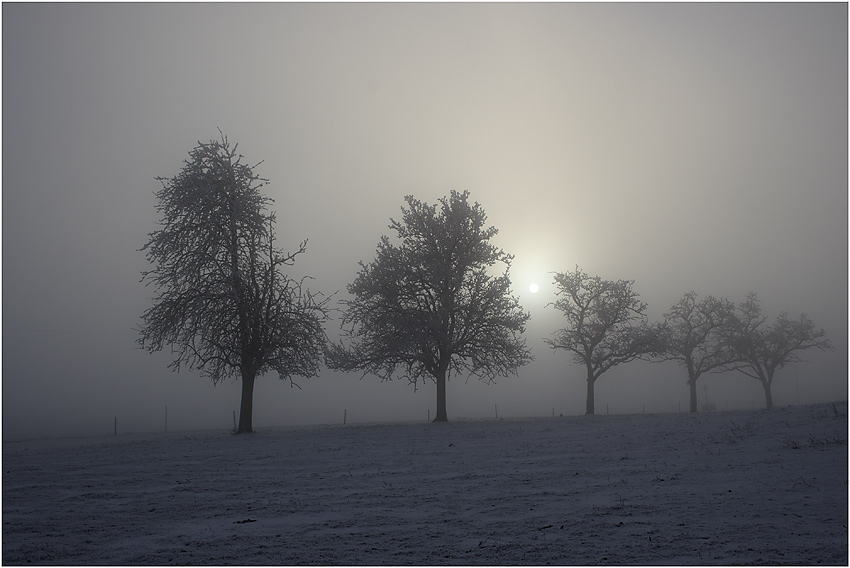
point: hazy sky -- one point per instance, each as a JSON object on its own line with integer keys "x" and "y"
{"x": 683, "y": 146}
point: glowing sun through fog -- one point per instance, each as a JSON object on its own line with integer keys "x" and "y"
{"x": 533, "y": 288}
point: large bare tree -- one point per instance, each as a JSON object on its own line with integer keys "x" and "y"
{"x": 606, "y": 325}
{"x": 761, "y": 348}
{"x": 221, "y": 299}
{"x": 430, "y": 306}
{"x": 696, "y": 337}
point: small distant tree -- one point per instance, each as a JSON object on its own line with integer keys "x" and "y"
{"x": 761, "y": 348}
{"x": 606, "y": 325}
{"x": 221, "y": 300}
{"x": 695, "y": 336}
{"x": 429, "y": 307}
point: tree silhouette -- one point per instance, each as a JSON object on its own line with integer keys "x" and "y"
{"x": 761, "y": 349}
{"x": 221, "y": 301}
{"x": 606, "y": 325}
{"x": 695, "y": 336}
{"x": 429, "y": 306}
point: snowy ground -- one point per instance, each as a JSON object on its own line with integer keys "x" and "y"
{"x": 714, "y": 488}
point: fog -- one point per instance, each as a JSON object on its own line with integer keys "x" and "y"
{"x": 683, "y": 146}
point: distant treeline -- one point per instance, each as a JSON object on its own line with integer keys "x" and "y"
{"x": 426, "y": 307}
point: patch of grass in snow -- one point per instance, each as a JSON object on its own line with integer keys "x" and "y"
{"x": 814, "y": 442}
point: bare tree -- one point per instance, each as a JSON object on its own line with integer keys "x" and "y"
{"x": 221, "y": 301}
{"x": 761, "y": 349}
{"x": 695, "y": 336}
{"x": 429, "y": 307}
{"x": 607, "y": 325}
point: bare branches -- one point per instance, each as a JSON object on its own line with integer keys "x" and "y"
{"x": 606, "y": 327}
{"x": 221, "y": 300}
{"x": 761, "y": 348}
{"x": 427, "y": 307}
{"x": 696, "y": 335}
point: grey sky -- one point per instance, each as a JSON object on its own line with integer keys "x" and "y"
{"x": 684, "y": 146}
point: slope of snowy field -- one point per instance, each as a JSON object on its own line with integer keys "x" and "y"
{"x": 714, "y": 488}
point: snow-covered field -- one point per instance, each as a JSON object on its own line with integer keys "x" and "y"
{"x": 713, "y": 488}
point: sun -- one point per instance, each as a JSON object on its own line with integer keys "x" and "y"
{"x": 534, "y": 288}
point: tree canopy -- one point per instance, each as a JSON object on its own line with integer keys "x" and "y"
{"x": 761, "y": 348}
{"x": 606, "y": 325}
{"x": 221, "y": 299}
{"x": 696, "y": 336}
{"x": 431, "y": 306}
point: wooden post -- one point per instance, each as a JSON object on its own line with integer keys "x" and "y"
{"x": 429, "y": 415}
{"x": 344, "y": 415}
{"x": 234, "y": 421}
{"x": 606, "y": 409}
{"x": 497, "y": 411}
{"x": 116, "y": 426}
{"x": 553, "y": 412}
{"x": 166, "y": 418}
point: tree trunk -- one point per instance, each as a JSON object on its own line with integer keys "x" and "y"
{"x": 768, "y": 397}
{"x": 589, "y": 405}
{"x": 246, "y": 409}
{"x": 441, "y": 399}
{"x": 693, "y": 384}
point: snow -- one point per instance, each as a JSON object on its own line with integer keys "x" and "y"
{"x": 713, "y": 488}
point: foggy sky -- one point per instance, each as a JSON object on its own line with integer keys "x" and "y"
{"x": 684, "y": 146}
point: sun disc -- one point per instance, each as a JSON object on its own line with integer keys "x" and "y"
{"x": 534, "y": 288}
